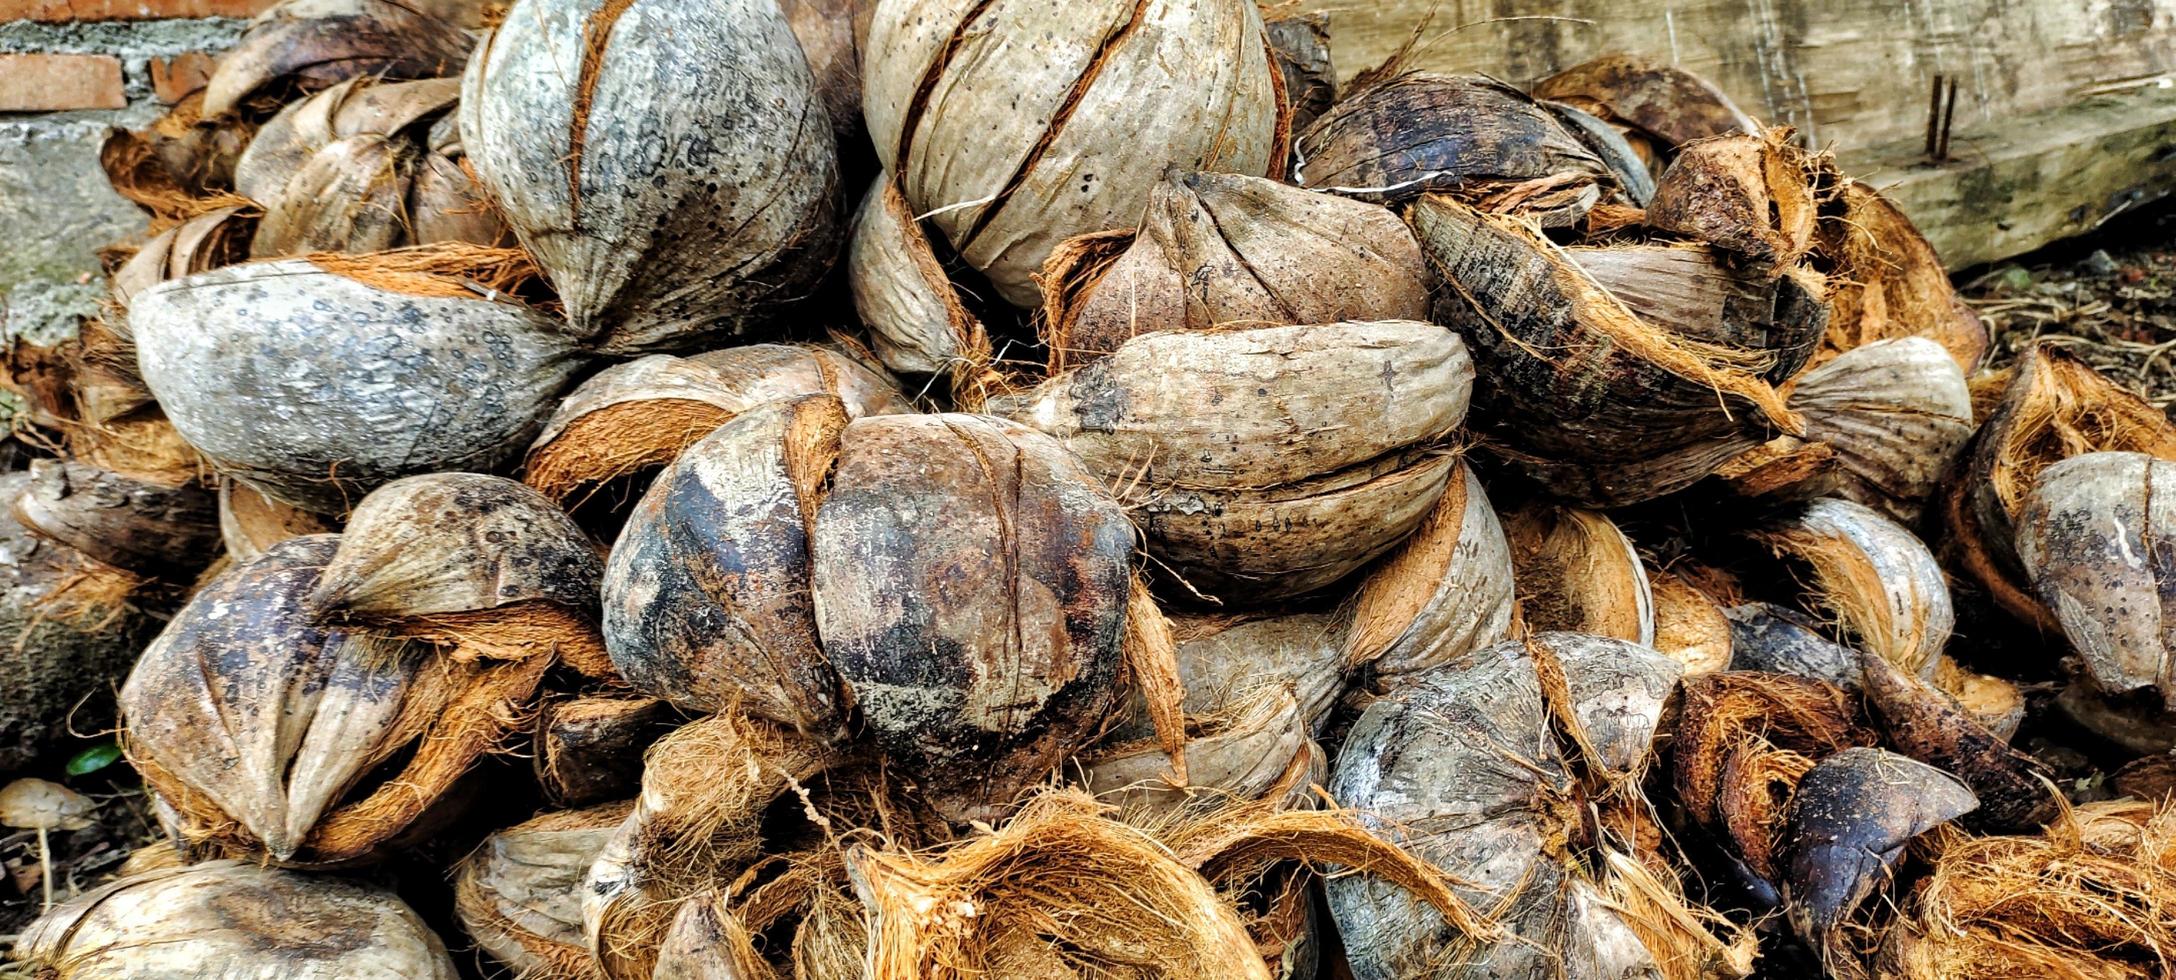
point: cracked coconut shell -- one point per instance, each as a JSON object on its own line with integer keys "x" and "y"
{"x": 2094, "y": 535}
{"x": 1445, "y": 593}
{"x": 202, "y": 243}
{"x": 304, "y": 45}
{"x": 669, "y": 162}
{"x": 971, "y": 584}
{"x": 1223, "y": 250}
{"x": 1922, "y": 722}
{"x": 519, "y": 894}
{"x": 1598, "y": 404}
{"x": 1013, "y": 126}
{"x": 316, "y": 380}
{"x": 1267, "y": 462}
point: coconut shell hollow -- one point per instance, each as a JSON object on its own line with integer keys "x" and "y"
{"x": 971, "y": 586}
{"x": 2091, "y": 535}
{"x": 1017, "y": 126}
{"x": 670, "y": 164}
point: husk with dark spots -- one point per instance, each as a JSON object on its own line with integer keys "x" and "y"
{"x": 1748, "y": 195}
{"x": 1780, "y": 640}
{"x": 2093, "y": 534}
{"x": 2015, "y": 791}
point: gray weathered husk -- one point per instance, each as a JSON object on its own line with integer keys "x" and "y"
{"x": 519, "y": 894}
{"x": 1225, "y": 658}
{"x": 311, "y": 44}
{"x": 707, "y": 599}
{"x": 1634, "y": 180}
{"x": 138, "y": 526}
{"x": 1256, "y": 748}
{"x": 314, "y": 387}
{"x": 1445, "y": 593}
{"x": 1015, "y": 127}
{"x": 697, "y": 197}
{"x": 233, "y": 919}
{"x": 1301, "y": 45}
{"x": 2094, "y": 535}
{"x": 971, "y": 582}
{"x": 200, "y": 244}
{"x": 286, "y": 142}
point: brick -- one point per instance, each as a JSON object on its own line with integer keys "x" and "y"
{"x": 54, "y": 11}
{"x": 172, "y": 79}
{"x": 47, "y": 82}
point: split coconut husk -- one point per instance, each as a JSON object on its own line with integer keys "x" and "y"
{"x": 589, "y": 748}
{"x": 1259, "y": 747}
{"x": 702, "y": 199}
{"x": 250, "y": 523}
{"x": 263, "y": 731}
{"x": 1471, "y": 136}
{"x": 2093, "y": 536}
{"x": 1267, "y": 462}
{"x": 707, "y": 599}
{"x": 1224, "y": 250}
{"x": 1445, "y": 593}
{"x": 1693, "y": 291}
{"x": 233, "y": 919}
{"x": 1887, "y": 281}
{"x": 972, "y": 582}
{"x": 69, "y": 625}
{"x": 1659, "y": 107}
{"x": 1750, "y": 195}
{"x": 1301, "y": 45}
{"x": 305, "y": 45}
{"x": 181, "y": 165}
{"x": 200, "y": 244}
{"x": 2053, "y": 407}
{"x": 1690, "y": 627}
{"x": 316, "y": 380}
{"x": 1894, "y": 415}
{"x": 1877, "y": 580}
{"x": 1598, "y": 405}
{"x": 1847, "y": 828}
{"x": 641, "y": 414}
{"x": 2015, "y": 791}
{"x": 145, "y": 528}
{"x": 1014, "y": 128}
{"x": 918, "y": 320}
{"x": 1743, "y": 741}
{"x": 474, "y": 562}
{"x": 1780, "y": 640}
{"x": 1225, "y": 658}
{"x": 1577, "y": 573}
{"x": 519, "y": 894}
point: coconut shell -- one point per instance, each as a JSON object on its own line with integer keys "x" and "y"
{"x": 471, "y": 560}
{"x": 2092, "y": 537}
{"x": 1223, "y": 250}
{"x": 1780, "y": 640}
{"x": 1244, "y": 453}
{"x": 1598, "y": 405}
{"x": 519, "y": 894}
{"x": 1301, "y": 45}
{"x": 259, "y": 728}
{"x": 1017, "y": 126}
{"x": 827, "y": 31}
{"x": 1998, "y": 704}
{"x": 1848, "y": 825}
{"x": 311, "y": 44}
{"x": 1662, "y": 103}
{"x": 202, "y": 243}
{"x": 144, "y": 528}
{"x": 1877, "y": 579}
{"x": 1690, "y": 628}
{"x": 2137, "y": 728}
{"x": 234, "y": 919}
{"x": 1445, "y": 593}
{"x": 917, "y": 320}
{"x": 1468, "y": 135}
{"x": 589, "y": 749}
{"x": 1748, "y": 195}
{"x": 314, "y": 386}
{"x": 2015, "y": 791}
{"x": 701, "y": 199}
{"x": 1576, "y": 572}
{"x": 971, "y": 583}
{"x": 707, "y": 598}
{"x": 2052, "y": 407}
{"x": 1887, "y": 281}
{"x": 350, "y": 197}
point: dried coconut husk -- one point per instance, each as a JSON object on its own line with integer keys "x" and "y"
{"x": 1627, "y": 165}
{"x": 1598, "y": 405}
{"x": 1690, "y": 628}
{"x": 1690, "y": 290}
{"x": 2076, "y": 902}
{"x": 1886, "y": 280}
{"x": 697, "y": 202}
{"x": 285, "y": 144}
{"x": 697, "y": 824}
{"x": 1445, "y": 593}
{"x": 1876, "y": 579}
{"x": 1012, "y": 128}
{"x": 630, "y": 417}
{"x": 590, "y": 748}
{"x": 316, "y": 380}
{"x": 519, "y": 894}
{"x": 147, "y": 529}
{"x": 1781, "y": 640}
{"x": 68, "y": 626}
{"x": 1256, "y": 748}
{"x": 1725, "y": 712}
{"x": 1663, "y": 104}
{"x": 200, "y": 244}
{"x": 1577, "y": 573}
{"x": 1996, "y": 703}
{"x": 1224, "y": 250}
{"x": 1266, "y": 462}
{"x": 1750, "y": 195}
{"x": 180, "y": 166}
{"x": 250, "y": 522}
{"x": 1467, "y": 135}
{"x": 2092, "y": 535}
{"x": 707, "y": 598}
{"x": 311, "y": 44}
{"x": 2125, "y": 722}
{"x": 2052, "y": 407}
{"x": 1847, "y": 827}
{"x": 2015, "y": 791}
{"x": 1301, "y": 45}
{"x": 1754, "y": 792}
{"x": 264, "y": 732}
{"x": 1895, "y": 415}
{"x": 233, "y": 919}
{"x": 972, "y": 584}
{"x": 1225, "y": 657}
{"x": 465, "y": 560}
{"x": 827, "y": 30}
{"x": 917, "y": 318}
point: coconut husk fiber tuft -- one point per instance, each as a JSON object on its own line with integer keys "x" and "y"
{"x": 179, "y": 167}
{"x": 1741, "y": 729}
{"x": 1577, "y": 573}
{"x": 1887, "y": 283}
{"x": 1873, "y": 577}
{"x": 1445, "y": 593}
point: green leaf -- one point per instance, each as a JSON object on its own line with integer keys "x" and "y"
{"x": 92, "y": 759}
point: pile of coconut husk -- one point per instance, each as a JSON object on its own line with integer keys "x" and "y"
{"x": 625, "y": 489}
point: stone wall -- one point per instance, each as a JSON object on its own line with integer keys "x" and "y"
{"x": 70, "y": 70}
